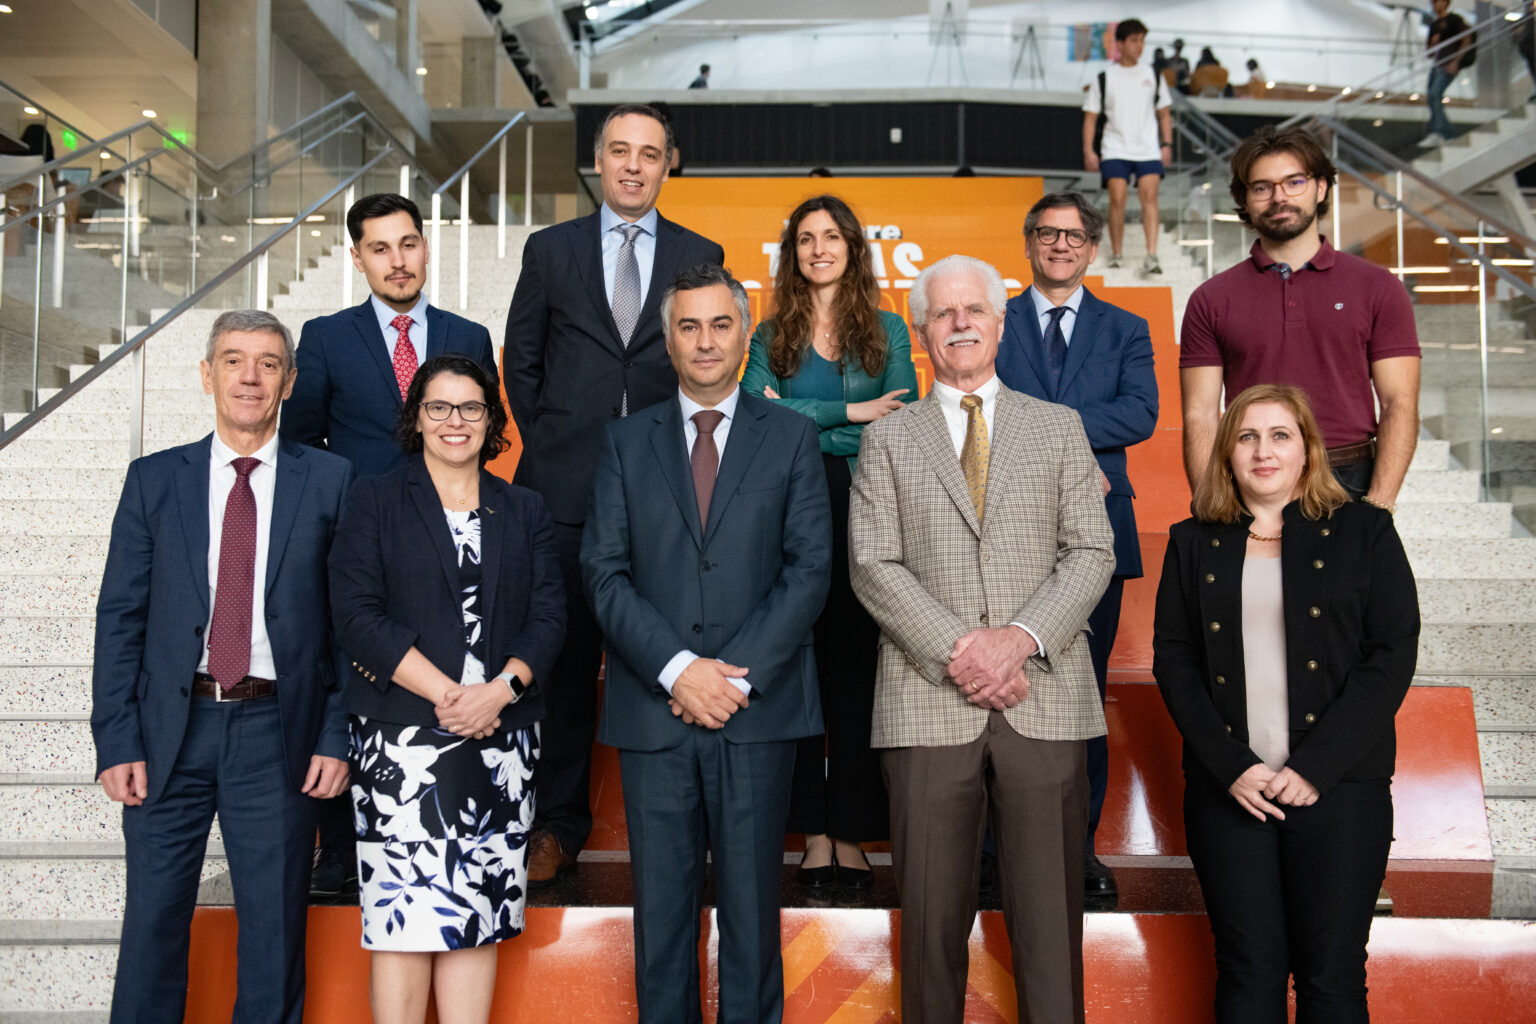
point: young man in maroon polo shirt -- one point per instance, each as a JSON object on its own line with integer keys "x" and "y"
{"x": 1299, "y": 312}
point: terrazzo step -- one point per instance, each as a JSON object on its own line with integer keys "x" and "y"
{"x": 1509, "y": 764}
{"x": 1493, "y": 558}
{"x": 66, "y": 424}
{"x": 1426, "y": 486}
{"x": 73, "y": 880}
{"x": 52, "y": 746}
{"x": 1466, "y": 601}
{"x": 1512, "y": 826}
{"x": 1514, "y": 888}
{"x": 61, "y": 595}
{"x": 26, "y": 482}
{"x": 1448, "y": 520}
{"x": 72, "y": 555}
{"x": 1430, "y": 454}
{"x": 34, "y": 808}
{"x": 68, "y": 638}
{"x": 1476, "y": 648}
{"x": 100, "y": 398}
{"x": 32, "y": 688}
{"x": 1500, "y": 702}
{"x": 52, "y": 517}
{"x": 57, "y": 971}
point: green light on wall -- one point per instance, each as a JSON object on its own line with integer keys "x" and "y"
{"x": 180, "y": 137}
{"x": 69, "y": 139}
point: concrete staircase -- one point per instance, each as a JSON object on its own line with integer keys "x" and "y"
{"x": 61, "y": 855}
{"x": 1489, "y": 151}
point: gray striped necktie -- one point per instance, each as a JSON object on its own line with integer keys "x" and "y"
{"x": 626, "y": 294}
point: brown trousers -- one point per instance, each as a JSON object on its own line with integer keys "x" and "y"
{"x": 1036, "y": 794}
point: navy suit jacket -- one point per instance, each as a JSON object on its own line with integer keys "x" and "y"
{"x": 153, "y": 609}
{"x": 346, "y": 399}
{"x": 395, "y": 585}
{"x": 566, "y": 369}
{"x": 745, "y": 588}
{"x": 1107, "y": 379}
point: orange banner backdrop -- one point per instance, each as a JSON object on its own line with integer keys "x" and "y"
{"x": 910, "y": 222}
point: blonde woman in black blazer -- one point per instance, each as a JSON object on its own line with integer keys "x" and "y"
{"x": 1285, "y": 692}
{"x": 447, "y": 599}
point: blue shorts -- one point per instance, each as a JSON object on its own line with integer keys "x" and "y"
{"x": 1130, "y": 170}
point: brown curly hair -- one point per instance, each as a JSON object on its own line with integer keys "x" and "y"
{"x": 855, "y": 309}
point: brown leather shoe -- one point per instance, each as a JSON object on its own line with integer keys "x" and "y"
{"x": 546, "y": 857}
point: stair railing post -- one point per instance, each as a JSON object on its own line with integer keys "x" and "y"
{"x": 1482, "y": 348}
{"x": 464, "y": 241}
{"x": 347, "y": 199}
{"x": 37, "y": 294}
{"x": 1338, "y": 241}
{"x": 501, "y": 199}
{"x": 528, "y": 176}
{"x": 437, "y": 219}
{"x": 1397, "y": 212}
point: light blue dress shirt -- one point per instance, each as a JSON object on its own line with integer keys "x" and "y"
{"x": 1043, "y": 308}
{"x": 613, "y": 241}
{"x": 418, "y": 334}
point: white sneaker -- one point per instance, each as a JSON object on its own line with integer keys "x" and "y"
{"x": 1431, "y": 140}
{"x": 1151, "y": 266}
{"x": 1116, "y": 261}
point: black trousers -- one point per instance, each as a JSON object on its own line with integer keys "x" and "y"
{"x": 1356, "y": 478}
{"x": 1103, "y": 623}
{"x": 563, "y": 776}
{"x": 838, "y": 789}
{"x": 1290, "y": 898}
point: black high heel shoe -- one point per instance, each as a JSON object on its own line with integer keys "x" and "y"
{"x": 857, "y": 879}
{"x": 816, "y": 879}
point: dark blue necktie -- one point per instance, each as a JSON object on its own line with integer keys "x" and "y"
{"x": 1055, "y": 347}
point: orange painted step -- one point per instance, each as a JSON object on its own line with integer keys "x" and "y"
{"x": 576, "y": 966}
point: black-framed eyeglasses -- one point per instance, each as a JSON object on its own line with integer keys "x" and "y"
{"x": 469, "y": 411}
{"x": 1076, "y": 237}
{"x": 1290, "y": 186}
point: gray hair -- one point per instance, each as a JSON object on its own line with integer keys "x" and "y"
{"x": 997, "y": 293}
{"x": 249, "y": 320}
{"x": 706, "y": 275}
{"x": 1093, "y": 220}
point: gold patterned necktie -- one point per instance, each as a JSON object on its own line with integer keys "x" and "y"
{"x": 975, "y": 453}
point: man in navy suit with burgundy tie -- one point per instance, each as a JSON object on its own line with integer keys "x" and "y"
{"x": 353, "y": 370}
{"x": 1064, "y": 345}
{"x": 707, "y": 556}
{"x": 584, "y": 347}
{"x": 214, "y": 687}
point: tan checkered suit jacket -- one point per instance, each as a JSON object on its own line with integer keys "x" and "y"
{"x": 929, "y": 572}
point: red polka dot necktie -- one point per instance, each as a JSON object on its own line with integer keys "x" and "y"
{"x": 229, "y": 638}
{"x": 405, "y": 353}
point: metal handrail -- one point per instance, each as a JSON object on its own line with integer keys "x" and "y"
{"x": 60, "y": 200}
{"x": 502, "y": 131}
{"x": 1393, "y": 163}
{"x": 44, "y": 110}
{"x": 135, "y": 345}
{"x": 462, "y": 177}
{"x": 302, "y": 153}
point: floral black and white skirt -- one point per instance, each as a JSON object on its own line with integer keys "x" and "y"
{"x": 442, "y": 834}
{"x": 442, "y": 820}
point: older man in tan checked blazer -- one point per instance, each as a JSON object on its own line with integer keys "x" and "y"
{"x": 980, "y": 544}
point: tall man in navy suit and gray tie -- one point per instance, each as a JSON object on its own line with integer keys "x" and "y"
{"x": 214, "y": 688}
{"x": 354, "y": 368}
{"x": 1062, "y": 344}
{"x": 584, "y": 347}
{"x": 707, "y": 557}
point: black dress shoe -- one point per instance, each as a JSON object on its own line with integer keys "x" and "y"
{"x": 1098, "y": 880}
{"x": 854, "y": 878}
{"x": 335, "y": 872}
{"x": 816, "y": 878}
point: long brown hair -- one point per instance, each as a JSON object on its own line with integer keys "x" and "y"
{"x": 1216, "y": 496}
{"x": 855, "y": 309}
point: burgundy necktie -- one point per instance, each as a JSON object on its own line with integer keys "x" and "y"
{"x": 229, "y": 638}
{"x": 405, "y": 353}
{"x": 705, "y": 460}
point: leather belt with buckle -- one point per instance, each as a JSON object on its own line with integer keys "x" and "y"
{"x": 1353, "y": 454}
{"x": 249, "y": 688}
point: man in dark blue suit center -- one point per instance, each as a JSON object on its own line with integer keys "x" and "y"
{"x": 214, "y": 686}
{"x": 354, "y": 368}
{"x": 1063, "y": 344}
{"x": 707, "y": 556}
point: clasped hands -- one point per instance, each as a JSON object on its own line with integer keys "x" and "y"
{"x": 988, "y": 666}
{"x": 703, "y": 694}
{"x": 1256, "y": 787}
{"x": 473, "y": 711}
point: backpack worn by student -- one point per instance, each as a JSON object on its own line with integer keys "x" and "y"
{"x": 1098, "y": 129}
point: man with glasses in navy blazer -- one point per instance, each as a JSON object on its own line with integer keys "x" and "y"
{"x": 353, "y": 371}
{"x": 1063, "y": 344}
{"x": 214, "y": 686}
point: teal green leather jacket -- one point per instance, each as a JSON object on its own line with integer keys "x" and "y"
{"x": 836, "y": 434}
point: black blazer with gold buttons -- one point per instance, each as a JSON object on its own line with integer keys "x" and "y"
{"x": 1351, "y": 643}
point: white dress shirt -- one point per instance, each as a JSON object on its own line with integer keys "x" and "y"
{"x": 682, "y": 659}
{"x": 1043, "y": 309}
{"x": 958, "y": 422}
{"x": 613, "y": 241}
{"x": 418, "y": 333}
{"x": 221, "y": 479}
